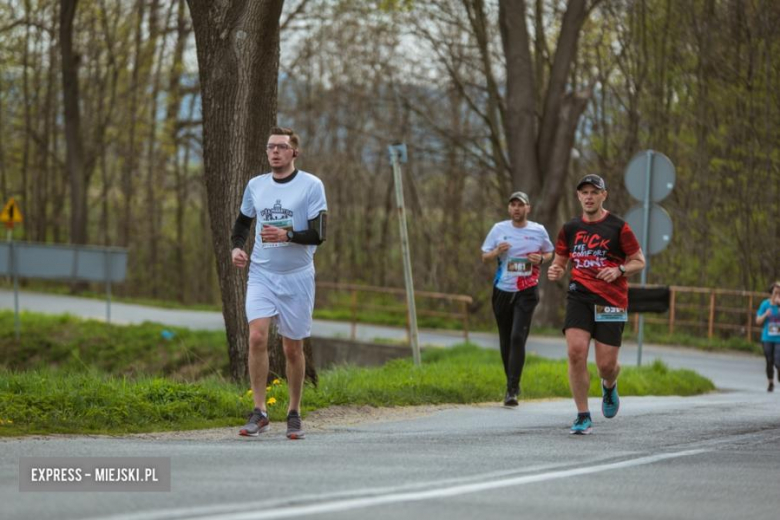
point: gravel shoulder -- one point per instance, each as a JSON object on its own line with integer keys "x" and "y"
{"x": 323, "y": 420}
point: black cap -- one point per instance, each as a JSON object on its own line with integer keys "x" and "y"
{"x": 522, "y": 197}
{"x": 595, "y": 180}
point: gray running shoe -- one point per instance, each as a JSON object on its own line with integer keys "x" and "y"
{"x": 294, "y": 426}
{"x": 257, "y": 424}
{"x": 510, "y": 399}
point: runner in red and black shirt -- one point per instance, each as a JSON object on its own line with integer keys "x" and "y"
{"x": 603, "y": 251}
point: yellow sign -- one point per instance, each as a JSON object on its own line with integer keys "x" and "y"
{"x": 11, "y": 213}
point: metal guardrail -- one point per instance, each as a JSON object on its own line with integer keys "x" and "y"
{"x": 62, "y": 262}
{"x": 462, "y": 301}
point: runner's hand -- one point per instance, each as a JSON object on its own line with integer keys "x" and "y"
{"x": 535, "y": 258}
{"x": 502, "y": 248}
{"x": 554, "y": 272}
{"x": 609, "y": 274}
{"x": 240, "y": 257}
{"x": 273, "y": 234}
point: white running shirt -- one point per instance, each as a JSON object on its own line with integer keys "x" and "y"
{"x": 289, "y": 205}
{"x": 515, "y": 272}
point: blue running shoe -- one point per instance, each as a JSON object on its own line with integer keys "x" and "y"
{"x": 610, "y": 403}
{"x": 582, "y": 426}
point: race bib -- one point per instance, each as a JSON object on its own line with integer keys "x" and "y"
{"x": 516, "y": 267}
{"x": 773, "y": 329}
{"x": 608, "y": 313}
{"x": 286, "y": 224}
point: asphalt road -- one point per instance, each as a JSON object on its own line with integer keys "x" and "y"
{"x": 710, "y": 457}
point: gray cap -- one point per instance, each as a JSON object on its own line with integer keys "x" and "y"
{"x": 595, "y": 180}
{"x": 522, "y": 197}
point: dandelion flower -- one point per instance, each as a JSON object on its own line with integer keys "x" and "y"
{"x": 277, "y": 382}
{"x": 267, "y": 388}
{"x": 271, "y": 401}
{"x": 249, "y": 393}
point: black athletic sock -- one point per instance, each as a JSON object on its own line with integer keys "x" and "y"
{"x": 584, "y": 415}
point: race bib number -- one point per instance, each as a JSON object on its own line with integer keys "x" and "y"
{"x": 608, "y": 313}
{"x": 286, "y": 224}
{"x": 773, "y": 329}
{"x": 516, "y": 267}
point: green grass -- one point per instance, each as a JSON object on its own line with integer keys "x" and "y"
{"x": 66, "y": 401}
{"x": 71, "y": 343}
{"x": 49, "y": 401}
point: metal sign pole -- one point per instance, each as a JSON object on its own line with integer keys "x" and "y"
{"x": 108, "y": 286}
{"x": 645, "y": 241}
{"x": 12, "y": 262}
{"x": 395, "y": 151}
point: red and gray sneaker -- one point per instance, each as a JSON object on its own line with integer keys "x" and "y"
{"x": 294, "y": 426}
{"x": 257, "y": 424}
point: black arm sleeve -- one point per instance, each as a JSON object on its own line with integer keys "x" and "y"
{"x": 240, "y": 231}
{"x": 306, "y": 238}
{"x": 313, "y": 236}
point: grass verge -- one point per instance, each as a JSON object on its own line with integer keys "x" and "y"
{"x": 72, "y": 344}
{"x": 65, "y": 401}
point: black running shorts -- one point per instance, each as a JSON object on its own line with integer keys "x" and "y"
{"x": 580, "y": 315}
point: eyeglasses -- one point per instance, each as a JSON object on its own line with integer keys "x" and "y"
{"x": 283, "y": 147}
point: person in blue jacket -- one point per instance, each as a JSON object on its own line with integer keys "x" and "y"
{"x": 768, "y": 315}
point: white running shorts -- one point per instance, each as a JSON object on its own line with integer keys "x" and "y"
{"x": 289, "y": 297}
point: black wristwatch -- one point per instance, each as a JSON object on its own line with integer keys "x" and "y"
{"x": 289, "y": 236}
{"x": 622, "y": 270}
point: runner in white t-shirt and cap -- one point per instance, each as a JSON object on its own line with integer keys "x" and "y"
{"x": 520, "y": 247}
{"x": 291, "y": 212}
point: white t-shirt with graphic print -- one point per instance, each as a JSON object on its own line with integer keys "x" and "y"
{"x": 289, "y": 205}
{"x": 515, "y": 272}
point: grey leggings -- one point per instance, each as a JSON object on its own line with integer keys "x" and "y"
{"x": 772, "y": 355}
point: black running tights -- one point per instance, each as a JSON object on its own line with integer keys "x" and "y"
{"x": 513, "y": 312}
{"x": 772, "y": 355}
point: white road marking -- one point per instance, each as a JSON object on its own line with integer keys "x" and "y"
{"x": 199, "y": 511}
{"x": 333, "y": 506}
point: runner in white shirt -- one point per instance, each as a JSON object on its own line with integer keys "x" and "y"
{"x": 520, "y": 247}
{"x": 291, "y": 211}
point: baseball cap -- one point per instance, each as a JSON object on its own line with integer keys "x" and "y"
{"x": 595, "y": 180}
{"x": 519, "y": 195}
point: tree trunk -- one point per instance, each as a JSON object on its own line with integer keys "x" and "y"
{"x": 238, "y": 57}
{"x": 539, "y": 157}
{"x": 74, "y": 145}
{"x": 520, "y": 124}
